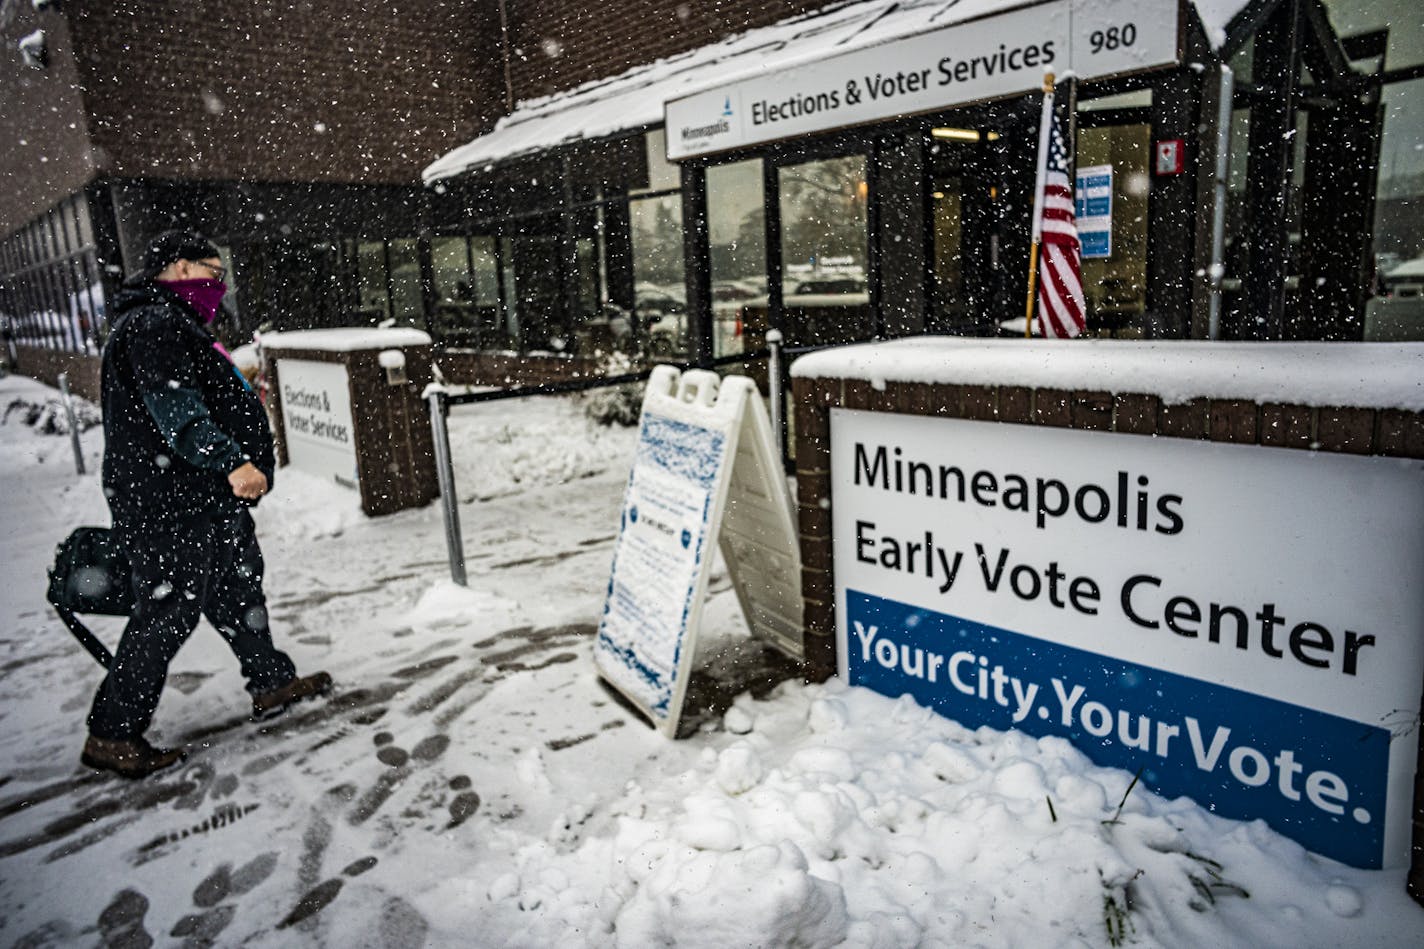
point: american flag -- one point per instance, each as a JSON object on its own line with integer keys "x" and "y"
{"x": 1061, "y": 307}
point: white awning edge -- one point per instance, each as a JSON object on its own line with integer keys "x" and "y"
{"x": 636, "y": 98}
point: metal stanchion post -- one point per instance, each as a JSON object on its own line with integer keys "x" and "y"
{"x": 778, "y": 399}
{"x": 73, "y": 422}
{"x": 445, "y": 471}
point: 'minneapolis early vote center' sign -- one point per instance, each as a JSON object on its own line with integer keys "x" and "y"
{"x": 1240, "y": 624}
{"x": 1001, "y": 55}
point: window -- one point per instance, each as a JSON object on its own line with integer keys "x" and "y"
{"x": 736, "y": 226}
{"x": 659, "y": 297}
{"x": 1115, "y": 245}
{"x": 662, "y": 174}
{"x": 454, "y": 288}
{"x": 588, "y": 258}
{"x": 824, "y": 250}
{"x": 1395, "y": 308}
{"x": 374, "y": 296}
{"x": 407, "y": 299}
{"x": 1405, "y": 39}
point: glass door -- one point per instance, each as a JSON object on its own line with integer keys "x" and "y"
{"x": 981, "y": 185}
{"x": 824, "y": 251}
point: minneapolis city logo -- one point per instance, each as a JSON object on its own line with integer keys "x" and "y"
{"x": 721, "y": 127}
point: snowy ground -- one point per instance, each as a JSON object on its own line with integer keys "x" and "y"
{"x": 470, "y": 784}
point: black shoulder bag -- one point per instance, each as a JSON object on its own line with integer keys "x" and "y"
{"x": 90, "y": 575}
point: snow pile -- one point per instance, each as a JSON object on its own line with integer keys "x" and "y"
{"x": 346, "y": 338}
{"x": 47, "y": 416}
{"x": 506, "y": 446}
{"x": 841, "y": 817}
{"x": 447, "y": 600}
{"x": 1365, "y": 375}
{"x": 304, "y": 507}
{"x": 247, "y": 358}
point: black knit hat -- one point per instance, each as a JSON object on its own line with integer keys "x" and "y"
{"x": 175, "y": 245}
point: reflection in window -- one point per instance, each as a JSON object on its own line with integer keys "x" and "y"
{"x": 1395, "y": 310}
{"x": 1400, "y": 17}
{"x": 1115, "y": 262}
{"x": 454, "y": 288}
{"x": 375, "y": 301}
{"x": 406, "y": 297}
{"x": 513, "y": 312}
{"x": 663, "y": 175}
{"x": 466, "y": 282}
{"x": 659, "y": 295}
{"x": 1236, "y": 245}
{"x": 736, "y": 226}
{"x": 823, "y": 251}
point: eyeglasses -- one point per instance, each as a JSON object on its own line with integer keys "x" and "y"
{"x": 219, "y": 273}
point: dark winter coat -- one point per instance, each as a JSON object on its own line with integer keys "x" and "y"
{"x": 178, "y": 417}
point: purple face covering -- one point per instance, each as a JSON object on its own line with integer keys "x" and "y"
{"x": 202, "y": 295}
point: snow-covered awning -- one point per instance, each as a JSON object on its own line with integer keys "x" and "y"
{"x": 635, "y": 99}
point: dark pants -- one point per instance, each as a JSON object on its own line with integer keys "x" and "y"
{"x": 209, "y": 566}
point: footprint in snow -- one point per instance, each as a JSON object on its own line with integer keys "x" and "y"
{"x": 202, "y": 929}
{"x": 320, "y": 896}
{"x": 465, "y": 803}
{"x": 121, "y": 922}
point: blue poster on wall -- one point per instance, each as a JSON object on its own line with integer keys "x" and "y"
{"x": 1093, "y": 210}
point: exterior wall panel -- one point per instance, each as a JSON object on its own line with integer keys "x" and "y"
{"x": 324, "y": 90}
{"x": 556, "y": 44}
{"x": 42, "y": 121}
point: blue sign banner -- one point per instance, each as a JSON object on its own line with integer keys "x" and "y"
{"x": 1096, "y": 244}
{"x": 1094, "y": 195}
{"x": 1317, "y": 778}
{"x": 1093, "y": 207}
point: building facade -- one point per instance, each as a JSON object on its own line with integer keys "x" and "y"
{"x": 498, "y": 172}
{"x": 572, "y": 226}
{"x": 292, "y": 134}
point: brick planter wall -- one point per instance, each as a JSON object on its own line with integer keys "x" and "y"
{"x": 506, "y": 370}
{"x": 46, "y": 365}
{"x": 1389, "y": 432}
{"x": 395, "y": 449}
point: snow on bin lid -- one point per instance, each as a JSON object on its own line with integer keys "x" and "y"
{"x": 1357, "y": 375}
{"x": 347, "y": 339}
{"x": 636, "y": 98}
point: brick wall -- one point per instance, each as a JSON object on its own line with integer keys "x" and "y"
{"x": 312, "y": 90}
{"x": 46, "y": 365}
{"x": 559, "y": 44}
{"x": 460, "y": 367}
{"x": 44, "y": 142}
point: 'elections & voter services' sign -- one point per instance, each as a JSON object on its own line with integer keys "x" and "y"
{"x": 316, "y": 419}
{"x": 1003, "y": 54}
{"x": 1241, "y": 624}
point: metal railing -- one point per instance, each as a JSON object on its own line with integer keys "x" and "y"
{"x": 440, "y": 400}
{"x": 68, "y": 401}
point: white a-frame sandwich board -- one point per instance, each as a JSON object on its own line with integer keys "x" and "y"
{"x": 706, "y": 471}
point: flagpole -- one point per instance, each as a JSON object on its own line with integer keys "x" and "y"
{"x": 1043, "y": 130}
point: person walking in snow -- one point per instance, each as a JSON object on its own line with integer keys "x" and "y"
{"x": 187, "y": 450}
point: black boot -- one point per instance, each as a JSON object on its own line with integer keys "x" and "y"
{"x": 277, "y": 701}
{"x": 131, "y": 758}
